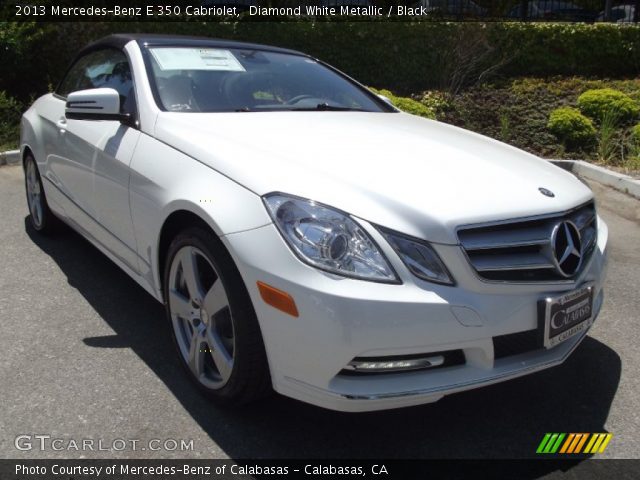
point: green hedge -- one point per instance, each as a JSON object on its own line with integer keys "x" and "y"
{"x": 400, "y": 56}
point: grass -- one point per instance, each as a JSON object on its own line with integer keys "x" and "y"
{"x": 631, "y": 162}
{"x": 505, "y": 127}
{"x": 609, "y": 145}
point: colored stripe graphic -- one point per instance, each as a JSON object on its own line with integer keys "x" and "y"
{"x": 543, "y": 443}
{"x": 591, "y": 442}
{"x": 555, "y": 447}
{"x": 573, "y": 442}
{"x": 550, "y": 443}
{"x": 606, "y": 441}
{"x": 581, "y": 443}
{"x": 567, "y": 442}
{"x": 598, "y": 442}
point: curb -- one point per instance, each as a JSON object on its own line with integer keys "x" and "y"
{"x": 619, "y": 181}
{"x": 12, "y": 157}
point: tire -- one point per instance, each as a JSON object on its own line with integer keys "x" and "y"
{"x": 40, "y": 216}
{"x": 212, "y": 320}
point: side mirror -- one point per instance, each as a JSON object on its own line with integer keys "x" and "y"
{"x": 95, "y": 104}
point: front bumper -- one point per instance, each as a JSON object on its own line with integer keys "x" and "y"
{"x": 342, "y": 318}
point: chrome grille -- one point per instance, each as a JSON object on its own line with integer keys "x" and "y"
{"x": 520, "y": 250}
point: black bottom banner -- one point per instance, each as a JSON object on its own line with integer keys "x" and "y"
{"x": 316, "y": 469}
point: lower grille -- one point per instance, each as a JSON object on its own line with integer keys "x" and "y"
{"x": 521, "y": 250}
{"x": 516, "y": 343}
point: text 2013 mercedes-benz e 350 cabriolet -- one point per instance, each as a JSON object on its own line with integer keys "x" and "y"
{"x": 304, "y": 234}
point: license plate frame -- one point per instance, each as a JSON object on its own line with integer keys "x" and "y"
{"x": 566, "y": 315}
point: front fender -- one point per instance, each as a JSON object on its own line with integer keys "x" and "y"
{"x": 164, "y": 180}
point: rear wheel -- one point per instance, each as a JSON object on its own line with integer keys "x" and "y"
{"x": 214, "y": 326}
{"x": 40, "y": 216}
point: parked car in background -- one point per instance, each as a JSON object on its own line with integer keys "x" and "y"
{"x": 241, "y": 5}
{"x": 345, "y": 3}
{"x": 553, "y": 10}
{"x": 453, "y": 7}
{"x": 619, "y": 14}
{"x": 306, "y": 236}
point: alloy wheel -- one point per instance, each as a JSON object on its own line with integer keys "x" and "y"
{"x": 34, "y": 193}
{"x": 201, "y": 317}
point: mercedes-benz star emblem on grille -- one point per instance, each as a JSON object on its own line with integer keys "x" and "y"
{"x": 567, "y": 248}
{"x": 546, "y": 193}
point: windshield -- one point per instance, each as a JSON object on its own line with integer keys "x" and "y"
{"x": 202, "y": 79}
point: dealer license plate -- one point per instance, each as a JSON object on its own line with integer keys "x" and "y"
{"x": 567, "y": 315}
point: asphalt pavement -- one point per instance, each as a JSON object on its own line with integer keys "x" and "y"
{"x": 86, "y": 354}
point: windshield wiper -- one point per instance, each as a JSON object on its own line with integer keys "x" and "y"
{"x": 328, "y": 108}
{"x": 320, "y": 107}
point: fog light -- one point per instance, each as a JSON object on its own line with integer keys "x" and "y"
{"x": 378, "y": 366}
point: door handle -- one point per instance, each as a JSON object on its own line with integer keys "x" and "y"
{"x": 62, "y": 124}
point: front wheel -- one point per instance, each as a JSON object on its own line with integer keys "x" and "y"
{"x": 214, "y": 325}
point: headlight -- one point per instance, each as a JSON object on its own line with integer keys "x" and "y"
{"x": 419, "y": 257}
{"x": 328, "y": 239}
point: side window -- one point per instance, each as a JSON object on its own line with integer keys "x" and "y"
{"x": 106, "y": 68}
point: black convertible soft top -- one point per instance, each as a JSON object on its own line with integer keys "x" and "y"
{"x": 121, "y": 39}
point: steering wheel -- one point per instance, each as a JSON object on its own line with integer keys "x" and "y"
{"x": 296, "y": 99}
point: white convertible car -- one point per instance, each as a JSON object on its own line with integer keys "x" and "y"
{"x": 306, "y": 236}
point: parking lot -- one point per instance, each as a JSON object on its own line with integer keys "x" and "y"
{"x": 86, "y": 354}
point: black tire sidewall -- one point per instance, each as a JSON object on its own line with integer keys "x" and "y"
{"x": 249, "y": 356}
{"x": 46, "y": 213}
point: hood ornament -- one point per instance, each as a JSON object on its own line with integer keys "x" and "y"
{"x": 546, "y": 192}
{"x": 566, "y": 247}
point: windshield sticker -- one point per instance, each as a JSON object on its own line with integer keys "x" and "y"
{"x": 196, "y": 59}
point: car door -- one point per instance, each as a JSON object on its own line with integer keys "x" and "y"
{"x": 73, "y": 190}
{"x": 97, "y": 155}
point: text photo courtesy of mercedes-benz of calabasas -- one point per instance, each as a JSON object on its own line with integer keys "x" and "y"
{"x": 306, "y": 236}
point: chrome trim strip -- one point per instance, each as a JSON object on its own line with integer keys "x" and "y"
{"x": 532, "y": 266}
{"x": 525, "y": 219}
{"x": 497, "y": 245}
{"x": 416, "y": 364}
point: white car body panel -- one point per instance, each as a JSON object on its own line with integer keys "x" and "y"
{"x": 118, "y": 185}
{"x": 438, "y": 169}
{"x": 88, "y": 162}
{"x": 415, "y": 317}
{"x": 225, "y": 205}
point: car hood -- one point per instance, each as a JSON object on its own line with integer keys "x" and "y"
{"x": 418, "y": 176}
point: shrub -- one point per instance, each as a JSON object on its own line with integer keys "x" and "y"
{"x": 407, "y": 104}
{"x": 635, "y": 134}
{"x": 10, "y": 113}
{"x": 608, "y": 102}
{"x": 632, "y": 160}
{"x": 434, "y": 100}
{"x": 571, "y": 127}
